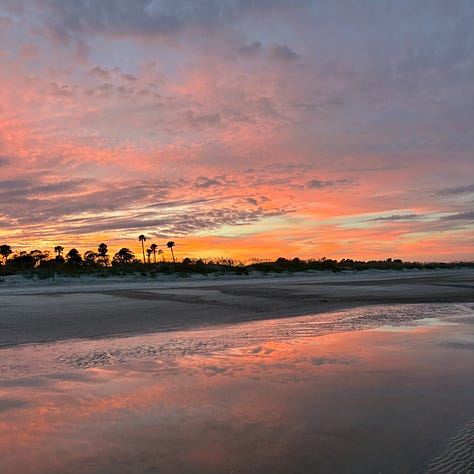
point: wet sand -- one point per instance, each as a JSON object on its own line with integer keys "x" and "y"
{"x": 68, "y": 308}
{"x": 274, "y": 396}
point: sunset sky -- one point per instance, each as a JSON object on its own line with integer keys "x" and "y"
{"x": 239, "y": 128}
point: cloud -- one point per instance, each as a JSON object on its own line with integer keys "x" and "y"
{"x": 282, "y": 53}
{"x": 31, "y": 188}
{"x": 275, "y": 51}
{"x": 62, "y": 90}
{"x": 318, "y": 184}
{"x": 203, "y": 182}
{"x": 100, "y": 73}
{"x": 83, "y": 206}
{"x": 468, "y": 216}
{"x": 179, "y": 203}
{"x": 4, "y": 161}
{"x": 457, "y": 190}
{"x": 251, "y": 49}
{"x": 151, "y": 17}
{"x": 199, "y": 121}
{"x": 176, "y": 224}
{"x": 397, "y": 217}
{"x": 27, "y": 203}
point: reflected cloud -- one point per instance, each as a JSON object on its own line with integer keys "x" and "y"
{"x": 266, "y": 394}
{"x": 7, "y": 404}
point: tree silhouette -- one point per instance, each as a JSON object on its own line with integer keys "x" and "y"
{"x": 89, "y": 257}
{"x": 73, "y": 257}
{"x": 148, "y": 254}
{"x": 24, "y": 261}
{"x": 59, "y": 250}
{"x": 153, "y": 248}
{"x": 38, "y": 256}
{"x": 170, "y": 245}
{"x": 160, "y": 252}
{"x": 124, "y": 255}
{"x": 5, "y": 252}
{"x": 102, "y": 252}
{"x": 142, "y": 239}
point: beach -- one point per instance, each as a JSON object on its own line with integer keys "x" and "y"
{"x": 385, "y": 387}
{"x": 36, "y": 311}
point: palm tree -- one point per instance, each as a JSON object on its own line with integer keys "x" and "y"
{"x": 148, "y": 254}
{"x": 170, "y": 245}
{"x": 142, "y": 239}
{"x": 102, "y": 252}
{"x": 160, "y": 252}
{"x": 59, "y": 250}
{"x": 153, "y": 248}
{"x": 5, "y": 252}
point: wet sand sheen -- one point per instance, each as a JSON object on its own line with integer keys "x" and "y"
{"x": 35, "y": 312}
{"x": 272, "y": 396}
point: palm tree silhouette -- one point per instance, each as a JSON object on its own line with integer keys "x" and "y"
{"x": 153, "y": 248}
{"x": 170, "y": 245}
{"x": 102, "y": 252}
{"x": 142, "y": 239}
{"x": 59, "y": 250}
{"x": 160, "y": 252}
{"x": 148, "y": 254}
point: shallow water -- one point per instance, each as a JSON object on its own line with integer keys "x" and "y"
{"x": 366, "y": 390}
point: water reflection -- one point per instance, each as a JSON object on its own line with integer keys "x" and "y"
{"x": 364, "y": 401}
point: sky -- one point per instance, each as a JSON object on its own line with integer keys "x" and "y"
{"x": 239, "y": 128}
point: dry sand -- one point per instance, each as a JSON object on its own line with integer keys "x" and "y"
{"x": 46, "y": 311}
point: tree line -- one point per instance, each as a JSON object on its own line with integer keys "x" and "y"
{"x": 25, "y": 260}
{"x": 44, "y": 265}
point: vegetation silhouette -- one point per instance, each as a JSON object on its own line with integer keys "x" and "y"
{"x": 39, "y": 263}
{"x": 73, "y": 258}
{"x": 5, "y": 252}
{"x": 123, "y": 256}
{"x": 153, "y": 248}
{"x": 170, "y": 245}
{"x": 90, "y": 258}
{"x": 59, "y": 250}
{"x": 102, "y": 251}
{"x": 142, "y": 239}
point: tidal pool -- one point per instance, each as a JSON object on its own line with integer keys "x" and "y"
{"x": 391, "y": 393}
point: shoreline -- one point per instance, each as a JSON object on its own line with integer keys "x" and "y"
{"x": 41, "y": 311}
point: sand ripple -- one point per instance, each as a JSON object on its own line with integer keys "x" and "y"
{"x": 458, "y": 455}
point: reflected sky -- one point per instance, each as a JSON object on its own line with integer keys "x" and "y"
{"x": 361, "y": 401}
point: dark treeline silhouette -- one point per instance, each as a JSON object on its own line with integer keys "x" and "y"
{"x": 46, "y": 264}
